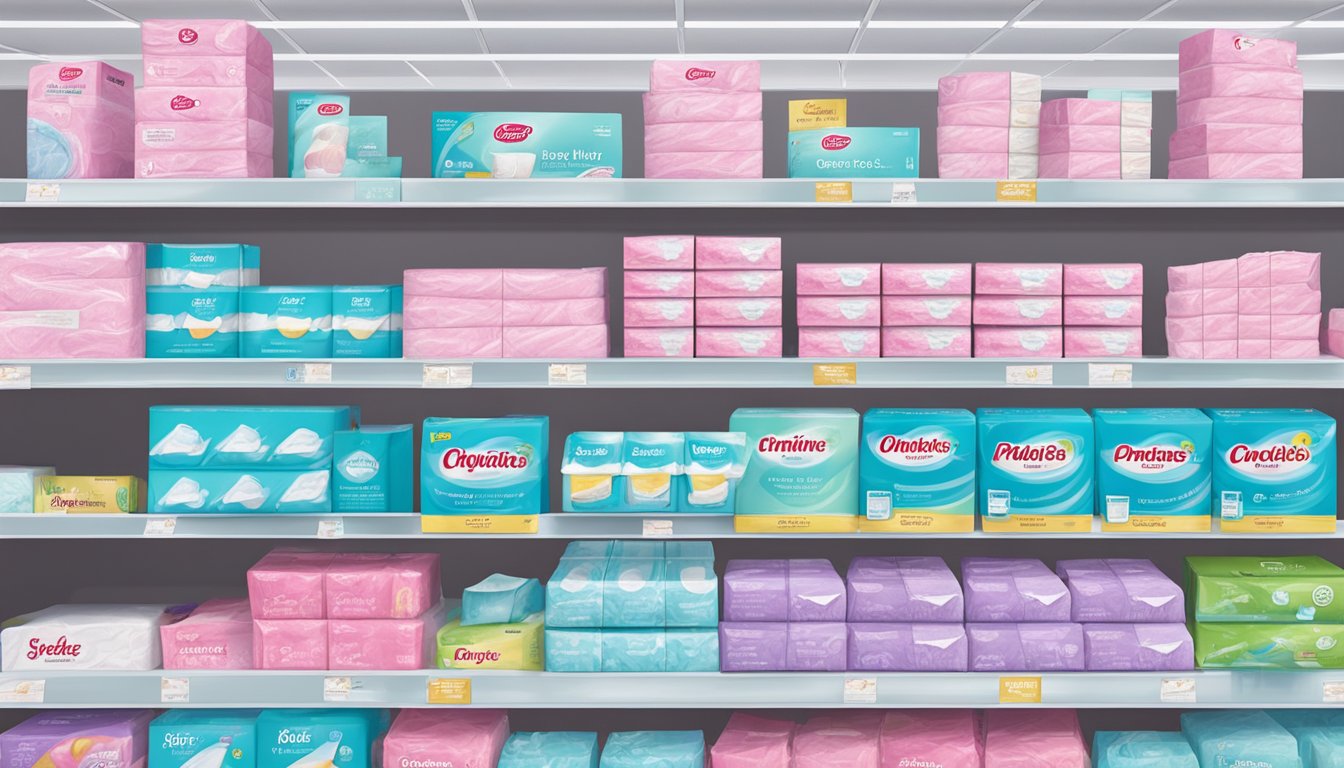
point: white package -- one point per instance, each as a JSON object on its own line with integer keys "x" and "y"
{"x": 111, "y": 636}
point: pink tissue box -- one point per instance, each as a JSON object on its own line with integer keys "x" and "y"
{"x": 1019, "y": 342}
{"x": 63, "y": 260}
{"x": 987, "y": 165}
{"x": 1082, "y": 341}
{"x": 443, "y": 312}
{"x": 289, "y": 584}
{"x": 697, "y": 106}
{"x": 80, "y": 84}
{"x": 985, "y": 139}
{"x": 289, "y": 643}
{"x": 739, "y": 342}
{"x": 1234, "y": 109}
{"x": 202, "y": 103}
{"x": 1226, "y": 46}
{"x": 382, "y": 586}
{"x": 1188, "y": 303}
{"x": 385, "y": 643}
{"x": 585, "y": 283}
{"x": 452, "y": 343}
{"x": 217, "y": 635}
{"x": 927, "y": 341}
{"x": 1103, "y": 310}
{"x": 1043, "y": 279}
{"x": 1254, "y": 328}
{"x": 1220, "y": 301}
{"x": 729, "y": 283}
{"x": 1080, "y": 112}
{"x": 738, "y": 252}
{"x": 1010, "y": 310}
{"x": 683, "y": 75}
{"x": 737, "y": 312}
{"x": 44, "y": 335}
{"x": 1058, "y": 139}
{"x": 581, "y": 341}
{"x": 1242, "y": 165}
{"x": 659, "y": 342}
{"x": 839, "y": 279}
{"x": 1235, "y": 138}
{"x": 1239, "y": 80}
{"x": 999, "y": 114}
{"x": 921, "y": 279}
{"x": 555, "y": 311}
{"x": 839, "y": 342}
{"x": 232, "y": 71}
{"x": 989, "y": 86}
{"x": 470, "y": 738}
{"x": 840, "y": 311}
{"x": 108, "y": 304}
{"x": 231, "y": 135}
{"x": 660, "y": 285}
{"x": 201, "y": 37}
{"x": 1279, "y": 268}
{"x": 455, "y": 283}
{"x": 1295, "y": 327}
{"x": 926, "y": 310}
{"x": 1294, "y": 299}
{"x": 220, "y": 164}
{"x": 703, "y": 137}
{"x": 1255, "y": 299}
{"x": 1335, "y": 333}
{"x": 101, "y": 135}
{"x": 1021, "y": 738}
{"x": 933, "y": 737}
{"x": 1103, "y": 279}
{"x": 704, "y": 165}
{"x": 659, "y": 313}
{"x": 1186, "y": 350}
{"x": 1081, "y": 165}
{"x": 1294, "y": 350}
{"x": 659, "y": 252}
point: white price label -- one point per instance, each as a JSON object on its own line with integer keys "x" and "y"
{"x": 174, "y": 690}
{"x": 42, "y": 192}
{"x": 446, "y": 376}
{"x": 16, "y": 377}
{"x": 23, "y": 691}
{"x": 567, "y": 374}
{"x": 330, "y": 529}
{"x": 308, "y": 373}
{"x": 1030, "y": 375}
{"x": 657, "y": 527}
{"x": 336, "y": 689}
{"x": 1177, "y": 690}
{"x": 1110, "y": 375}
{"x": 160, "y": 526}
{"x": 903, "y": 192}
{"x": 860, "y": 690}
{"x": 1333, "y": 692}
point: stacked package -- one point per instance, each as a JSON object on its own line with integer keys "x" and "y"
{"x": 1103, "y": 310}
{"x": 739, "y": 289}
{"x": 61, "y": 300}
{"x": 1018, "y": 310}
{"x": 1015, "y": 738}
{"x": 192, "y": 305}
{"x": 1136, "y": 130}
{"x": 1133, "y": 616}
{"x": 1335, "y": 333}
{"x": 834, "y": 740}
{"x": 1258, "y": 306}
{"x": 856, "y": 740}
{"x": 318, "y": 610}
{"x": 564, "y": 749}
{"x": 665, "y": 749}
{"x": 702, "y": 120}
{"x": 500, "y": 626}
{"x": 1019, "y": 617}
{"x": 1241, "y": 738}
{"x": 206, "y": 110}
{"x": 446, "y": 737}
{"x": 839, "y": 310}
{"x": 69, "y": 739}
{"x": 81, "y": 117}
{"x": 86, "y": 637}
{"x": 216, "y": 635}
{"x": 783, "y": 615}
{"x": 653, "y": 471}
{"x": 926, "y": 310}
{"x": 630, "y": 606}
{"x": 1088, "y": 139}
{"x": 518, "y": 313}
{"x": 660, "y": 296}
{"x": 988, "y": 125}
{"x": 749, "y": 741}
{"x": 905, "y": 615}
{"x": 1142, "y": 749}
{"x": 1238, "y": 109}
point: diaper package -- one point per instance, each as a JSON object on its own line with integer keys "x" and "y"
{"x": 320, "y": 136}
{"x": 70, "y": 739}
{"x": 1121, "y": 590}
{"x": 187, "y": 738}
{"x": 221, "y": 265}
{"x": 903, "y": 589}
{"x": 501, "y": 599}
{"x": 17, "y": 485}
{"x": 557, "y": 749}
{"x": 85, "y": 637}
{"x": 521, "y": 145}
{"x": 425, "y": 737}
{"x": 591, "y": 473}
{"x": 244, "y": 437}
{"x": 1142, "y": 749}
{"x": 88, "y": 494}
{"x": 492, "y": 646}
{"x": 854, "y": 153}
{"x": 1251, "y": 589}
{"x": 917, "y": 470}
{"x": 374, "y": 468}
{"x": 1274, "y": 469}
{"x": 81, "y": 121}
{"x": 1239, "y": 737}
{"x": 286, "y": 321}
{"x": 1035, "y": 469}
{"x": 1154, "y": 469}
{"x": 802, "y": 470}
{"x": 935, "y": 737}
{"x": 712, "y": 467}
{"x": 366, "y": 321}
{"x": 483, "y": 474}
{"x": 1012, "y": 589}
{"x": 669, "y": 749}
{"x": 216, "y": 635}
{"x": 191, "y": 322}
{"x": 333, "y": 737}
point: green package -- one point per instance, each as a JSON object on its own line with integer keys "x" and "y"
{"x": 492, "y": 646}
{"x": 1255, "y": 589}
{"x": 1268, "y": 646}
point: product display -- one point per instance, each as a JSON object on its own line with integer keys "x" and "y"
{"x": 91, "y": 637}
{"x": 81, "y": 121}
{"x": 988, "y": 125}
{"x": 513, "y": 490}
{"x": 1275, "y": 470}
{"x": 917, "y": 470}
{"x": 524, "y": 145}
{"x": 802, "y": 469}
{"x": 69, "y": 739}
{"x": 1036, "y": 469}
{"x": 702, "y": 120}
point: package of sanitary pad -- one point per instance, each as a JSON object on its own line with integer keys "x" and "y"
{"x": 1009, "y": 589}
{"x": 1120, "y": 590}
{"x": 703, "y": 136}
{"x": 921, "y": 310}
{"x": 816, "y": 646}
{"x": 558, "y": 749}
{"x": 989, "y": 86}
{"x": 839, "y": 741}
{"x": 1239, "y": 737}
{"x": 1142, "y": 749}
{"x": 839, "y": 279}
{"x": 387, "y": 643}
{"x": 840, "y": 311}
{"x": 666, "y": 749}
{"x": 1036, "y": 646}
{"x": 1035, "y": 737}
{"x": 1138, "y": 647}
{"x": 927, "y": 341}
{"x": 446, "y": 737}
{"x": 217, "y": 635}
{"x": 659, "y": 252}
{"x": 749, "y": 741}
{"x": 891, "y": 647}
{"x": 925, "y": 279}
{"x": 81, "y": 122}
{"x": 1019, "y": 279}
{"x": 701, "y": 105}
{"x": 17, "y": 488}
{"x": 950, "y": 738}
{"x": 492, "y": 646}
{"x": 692, "y": 75}
{"x": 289, "y": 584}
{"x": 839, "y": 342}
{"x": 753, "y": 646}
{"x": 86, "y": 637}
{"x": 399, "y": 585}
{"x": 704, "y": 165}
{"x": 72, "y": 739}
{"x": 290, "y": 643}
{"x": 902, "y": 589}
{"x": 738, "y": 283}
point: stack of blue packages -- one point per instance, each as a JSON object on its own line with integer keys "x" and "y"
{"x": 1142, "y": 749}
{"x": 1240, "y": 738}
{"x": 654, "y": 749}
{"x": 554, "y": 749}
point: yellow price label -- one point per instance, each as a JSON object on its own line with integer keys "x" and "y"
{"x": 448, "y": 690}
{"x": 835, "y": 191}
{"x": 1015, "y": 191}
{"x": 835, "y": 374}
{"x": 479, "y": 524}
{"x": 1019, "y": 690}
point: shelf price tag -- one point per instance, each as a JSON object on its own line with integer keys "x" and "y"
{"x": 331, "y": 529}
{"x": 860, "y": 690}
{"x": 16, "y": 377}
{"x": 1015, "y": 191}
{"x": 567, "y": 374}
{"x": 903, "y": 193}
{"x": 1177, "y": 690}
{"x": 160, "y": 526}
{"x": 657, "y": 528}
{"x": 446, "y": 376}
{"x": 448, "y": 690}
{"x": 835, "y": 191}
{"x": 378, "y": 191}
{"x": 174, "y": 690}
{"x": 336, "y": 688}
{"x": 308, "y": 373}
{"x": 1332, "y": 692}
{"x": 23, "y": 691}
{"x": 1019, "y": 690}
{"x": 1120, "y": 375}
{"x": 1030, "y": 375}
{"x": 42, "y": 192}
{"x": 835, "y": 374}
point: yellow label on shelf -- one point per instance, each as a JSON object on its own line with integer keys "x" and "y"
{"x": 1015, "y": 191}
{"x": 1163, "y": 523}
{"x": 1280, "y": 524}
{"x": 479, "y": 175}
{"x": 832, "y": 374}
{"x": 796, "y": 523}
{"x": 448, "y": 690}
{"x": 1038, "y": 523}
{"x": 1019, "y": 690}
{"x": 835, "y": 191}
{"x": 479, "y": 523}
{"x": 919, "y": 522}
{"x": 808, "y": 114}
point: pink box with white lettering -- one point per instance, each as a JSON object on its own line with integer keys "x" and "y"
{"x": 1240, "y": 165}
{"x": 839, "y": 311}
{"x": 584, "y": 283}
{"x": 1017, "y": 310}
{"x": 197, "y": 164}
{"x": 659, "y": 252}
{"x": 1118, "y": 341}
{"x": 1103, "y": 279}
{"x": 1234, "y": 138}
{"x": 1044, "y": 279}
{"x": 289, "y": 643}
{"x": 443, "y": 312}
{"x": 555, "y": 311}
{"x": 1294, "y": 299}
{"x": 37, "y": 262}
{"x": 1335, "y": 333}
{"x": 206, "y": 137}
{"x": 217, "y": 635}
{"x": 678, "y": 284}
{"x": 1219, "y": 327}
{"x": 703, "y": 137}
{"x": 1239, "y": 80}
{"x": 728, "y": 283}
{"x": 289, "y": 584}
{"x": 704, "y": 165}
{"x": 1080, "y": 112}
{"x": 659, "y": 342}
{"x": 385, "y": 643}
{"x": 683, "y": 75}
{"x": 453, "y": 343}
{"x": 989, "y": 86}
{"x": 659, "y": 313}
{"x": 927, "y": 341}
{"x": 922, "y": 279}
{"x": 455, "y": 283}
{"x": 1001, "y": 114}
{"x": 1103, "y": 310}
{"x": 839, "y": 342}
{"x": 999, "y": 341}
{"x": 739, "y": 342}
{"x": 926, "y": 310}
{"x": 1081, "y": 165}
{"x": 734, "y": 312}
{"x": 1187, "y": 303}
{"x": 738, "y": 252}
{"x": 371, "y": 585}
{"x": 532, "y": 342}
{"x": 839, "y": 279}
{"x": 1056, "y": 139}
{"x": 1295, "y": 349}
{"x": 81, "y": 121}
{"x": 76, "y": 84}
{"x": 701, "y": 106}
{"x": 1239, "y": 109}
{"x": 985, "y": 139}
{"x": 201, "y": 37}
{"x": 1226, "y": 46}
{"x": 444, "y": 738}
{"x": 257, "y": 74}
{"x": 202, "y": 103}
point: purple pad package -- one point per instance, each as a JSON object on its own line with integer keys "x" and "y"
{"x": 1012, "y": 589}
{"x": 903, "y": 589}
{"x": 816, "y": 591}
{"x": 1138, "y": 647}
{"x": 907, "y": 648}
{"x": 816, "y": 646}
{"x": 1049, "y": 647}
{"x": 1121, "y": 590}
{"x": 753, "y": 646}
{"x": 69, "y": 739}
{"x": 756, "y": 590}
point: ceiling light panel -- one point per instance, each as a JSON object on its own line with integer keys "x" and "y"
{"x": 577, "y": 75}
{"x": 888, "y": 40}
{"x": 386, "y": 41}
{"x": 62, "y": 10}
{"x": 1093, "y": 10}
{"x": 951, "y": 10}
{"x": 1243, "y": 9}
{"x": 574, "y": 10}
{"x": 1029, "y": 41}
{"x": 650, "y": 41}
{"x": 797, "y": 10}
{"x": 387, "y": 10}
{"x": 747, "y": 41}
{"x": 177, "y": 9}
{"x": 462, "y": 75}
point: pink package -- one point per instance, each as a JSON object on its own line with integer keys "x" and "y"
{"x": 1254, "y": 327}
{"x": 451, "y": 343}
{"x": 1058, "y": 139}
{"x": 1017, "y": 310}
{"x": 697, "y": 106}
{"x": 739, "y": 342}
{"x": 1103, "y": 310}
{"x": 1083, "y": 341}
{"x": 288, "y": 584}
{"x": 81, "y": 121}
{"x": 1335, "y": 333}
{"x": 1187, "y": 277}
{"x": 201, "y": 37}
{"x": 217, "y": 635}
{"x": 402, "y": 585}
{"x": 257, "y": 73}
{"x": 1220, "y": 301}
{"x": 1290, "y": 267}
{"x": 659, "y": 252}
{"x": 659, "y": 342}
{"x": 580, "y": 341}
{"x": 986, "y": 139}
{"x": 1253, "y": 270}
{"x": 583, "y": 283}
{"x": 1080, "y": 165}
{"x": 679, "y": 284}
{"x": 1292, "y": 350}
{"x": 921, "y": 279}
{"x": 948, "y": 738}
{"x": 1080, "y": 112}
{"x": 847, "y": 740}
{"x": 704, "y": 165}
{"x": 925, "y": 310}
{"x": 1220, "y": 274}
{"x": 1242, "y": 165}
{"x": 443, "y": 312}
{"x": 455, "y": 283}
{"x": 1187, "y": 328}
{"x": 1000, "y": 341}
{"x": 703, "y": 137}
{"x": 202, "y": 103}
{"x": 839, "y": 342}
{"x": 218, "y": 164}
{"x": 555, "y": 311}
{"x": 749, "y": 741}
{"x": 1225, "y": 46}
{"x": 999, "y": 114}
{"x": 39, "y": 334}
{"x": 1294, "y": 299}
{"x": 1043, "y": 279}
{"x": 80, "y": 84}
{"x": 289, "y": 643}
{"x": 1221, "y": 327}
{"x": 62, "y": 260}
{"x": 989, "y": 86}
{"x": 972, "y": 165}
{"x": 232, "y": 135}
{"x": 659, "y": 313}
{"x": 1295, "y": 327}
{"x": 840, "y": 311}
{"x": 1236, "y": 109}
{"x": 929, "y": 341}
{"x": 738, "y": 252}
{"x": 1019, "y": 738}
{"x": 1239, "y": 80}
{"x": 112, "y": 304}
{"x": 1103, "y": 279}
{"x": 728, "y": 283}
{"x": 385, "y": 643}
{"x": 446, "y": 737}
{"x": 1230, "y": 349}
{"x": 739, "y": 312}
{"x": 1186, "y": 350}
{"x": 839, "y": 279}
{"x": 683, "y": 75}
{"x": 1255, "y": 299}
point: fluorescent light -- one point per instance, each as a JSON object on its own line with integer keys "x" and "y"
{"x": 1151, "y": 24}
{"x": 461, "y": 24}
{"x": 891, "y": 24}
{"x": 65, "y": 24}
{"x": 772, "y": 24}
{"x": 1321, "y": 25}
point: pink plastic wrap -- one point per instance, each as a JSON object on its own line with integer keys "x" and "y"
{"x": 80, "y": 84}
{"x": 1255, "y": 299}
{"x": 1022, "y": 738}
{"x": 1243, "y": 165}
{"x": 1109, "y": 341}
{"x": 839, "y": 279}
{"x": 1103, "y": 310}
{"x": 288, "y": 584}
{"x": 1079, "y": 112}
{"x": 660, "y": 252}
{"x": 1017, "y": 310}
{"x": 42, "y": 334}
{"x": 581, "y": 341}
{"x": 1239, "y": 80}
{"x": 659, "y": 342}
{"x": 382, "y": 586}
{"x": 217, "y": 635}
{"x": 201, "y": 103}
{"x": 1226, "y": 46}
{"x": 703, "y": 137}
{"x": 729, "y": 283}
{"x": 922, "y": 279}
{"x": 985, "y": 139}
{"x": 1294, "y": 299}
{"x": 739, "y": 342}
{"x": 1295, "y": 327}
{"x": 839, "y": 342}
{"x": 1237, "y": 109}
{"x": 385, "y": 643}
{"x": 59, "y": 261}
{"x": 201, "y": 37}
{"x": 231, "y": 135}
{"x": 1103, "y": 279}
{"x": 555, "y": 311}
{"x": 848, "y": 740}
{"x": 1044, "y": 279}
{"x": 659, "y": 313}
{"x": 1292, "y": 349}
{"x": 455, "y": 283}
{"x": 444, "y": 312}
{"x": 683, "y": 75}
{"x": 91, "y": 105}
{"x": 999, "y": 114}
{"x": 1081, "y": 165}
{"x": 289, "y": 643}
{"x": 450, "y": 343}
{"x": 926, "y": 342}
{"x": 988, "y": 165}
{"x": 841, "y": 311}
{"x": 698, "y": 106}
{"x": 1221, "y": 327}
{"x": 113, "y": 303}
{"x": 441, "y": 738}
{"x": 947, "y": 738}
{"x": 1220, "y": 274}
{"x": 1186, "y": 350}
{"x": 739, "y": 312}
{"x": 738, "y": 252}
{"x": 670, "y": 284}
{"x": 704, "y": 165}
{"x": 1290, "y": 267}
{"x": 926, "y": 310}
{"x": 218, "y": 164}
{"x": 1064, "y": 139}
{"x": 1019, "y": 342}
{"x": 989, "y": 86}
{"x": 1254, "y": 327}
{"x": 1187, "y": 277}
{"x": 1335, "y": 333}
{"x": 749, "y": 741}
{"x": 583, "y": 283}
{"x": 230, "y": 71}
{"x": 1220, "y": 301}
{"x": 1187, "y": 328}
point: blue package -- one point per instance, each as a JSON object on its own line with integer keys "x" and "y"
{"x": 692, "y": 650}
{"x": 191, "y": 322}
{"x": 854, "y": 153}
{"x": 690, "y": 592}
{"x": 573, "y": 650}
{"x": 246, "y": 436}
{"x": 286, "y": 321}
{"x": 591, "y": 472}
{"x": 1240, "y": 738}
{"x": 375, "y": 469}
{"x": 1142, "y": 749}
{"x": 205, "y": 265}
{"x": 664, "y": 749}
{"x": 553, "y": 749}
{"x": 521, "y": 145}
{"x": 238, "y": 492}
{"x": 362, "y": 318}
{"x": 633, "y": 593}
{"x": 574, "y": 593}
{"x": 472, "y": 468}
{"x": 634, "y": 650}
{"x": 205, "y": 738}
{"x": 501, "y": 599}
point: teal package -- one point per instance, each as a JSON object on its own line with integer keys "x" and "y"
{"x": 690, "y": 592}
{"x": 191, "y": 322}
{"x": 634, "y": 650}
{"x": 520, "y": 145}
{"x": 328, "y": 738}
{"x": 665, "y": 749}
{"x": 502, "y": 599}
{"x": 1115, "y": 94}
{"x": 361, "y": 320}
{"x": 1142, "y": 749}
{"x": 1274, "y": 469}
{"x": 373, "y": 168}
{"x": 574, "y": 593}
{"x": 712, "y": 467}
{"x": 573, "y": 650}
{"x": 299, "y": 102}
{"x": 650, "y": 462}
{"x": 368, "y": 137}
{"x": 484, "y": 466}
{"x": 1036, "y": 469}
{"x": 246, "y": 436}
{"x": 238, "y": 492}
{"x": 209, "y": 265}
{"x": 1154, "y": 469}
{"x": 854, "y": 153}
{"x": 551, "y": 749}
{"x": 320, "y": 138}
{"x": 633, "y": 593}
{"x": 204, "y": 738}
{"x": 1319, "y": 734}
{"x": 917, "y": 470}
{"x": 286, "y": 321}
{"x": 375, "y": 469}
{"x": 692, "y": 650}
{"x": 588, "y": 549}
{"x": 591, "y": 479}
{"x": 1239, "y": 738}
{"x": 801, "y": 463}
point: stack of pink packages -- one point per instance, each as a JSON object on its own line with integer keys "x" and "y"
{"x": 1335, "y": 333}
{"x": 437, "y": 737}
{"x": 72, "y": 300}
{"x": 516, "y": 313}
{"x": 315, "y": 610}
{"x": 839, "y": 310}
{"x": 1018, "y": 310}
{"x": 987, "y": 125}
{"x": 217, "y": 635}
{"x": 1258, "y": 306}
{"x": 206, "y": 110}
{"x": 660, "y": 296}
{"x": 1016, "y": 738}
{"x": 1103, "y": 310}
{"x": 739, "y": 304}
{"x": 1238, "y": 109}
{"x": 895, "y": 739}
{"x": 926, "y": 310}
{"x": 1087, "y": 139}
{"x": 702, "y": 120}
{"x": 81, "y": 115}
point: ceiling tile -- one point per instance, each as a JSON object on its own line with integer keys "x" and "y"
{"x": 1335, "y": 15}
{"x": 574, "y": 10}
{"x": 462, "y": 75}
{"x": 1121, "y": 74}
{"x": 301, "y": 75}
{"x": 54, "y": 10}
{"x": 381, "y": 75}
{"x": 896, "y": 74}
{"x": 1314, "y": 41}
{"x": 1278, "y": 10}
{"x": 922, "y": 40}
{"x": 588, "y": 75}
{"x": 1148, "y": 41}
{"x": 82, "y": 43}
{"x": 643, "y": 41}
{"x": 196, "y": 9}
{"x": 941, "y": 10}
{"x": 1029, "y": 41}
{"x": 1093, "y": 10}
{"x": 776, "y": 10}
{"x": 387, "y": 10}
{"x": 708, "y": 41}
{"x": 399, "y": 41}
{"x": 794, "y": 75}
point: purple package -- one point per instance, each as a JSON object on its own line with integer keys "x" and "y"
{"x": 1121, "y": 590}
{"x": 70, "y": 739}
{"x": 907, "y": 648}
{"x": 756, "y": 590}
{"x": 1013, "y": 589}
{"x": 1138, "y": 647}
{"x": 920, "y": 589}
{"x": 753, "y": 646}
{"x": 1044, "y": 647}
{"x": 816, "y": 591}
{"x": 816, "y": 646}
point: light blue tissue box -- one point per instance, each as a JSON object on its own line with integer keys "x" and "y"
{"x": 362, "y": 318}
{"x": 501, "y": 599}
{"x": 16, "y": 488}
{"x": 1319, "y": 734}
{"x": 634, "y": 650}
{"x": 202, "y": 265}
{"x": 854, "y": 153}
{"x": 1115, "y": 94}
{"x": 181, "y": 737}
{"x": 693, "y": 650}
{"x": 573, "y": 650}
{"x": 238, "y": 492}
{"x": 691, "y": 593}
{"x": 1142, "y": 749}
{"x": 625, "y": 548}
{"x": 286, "y": 321}
{"x": 665, "y": 749}
{"x": 633, "y": 593}
{"x": 574, "y": 593}
{"x": 264, "y": 437}
{"x": 375, "y": 469}
{"x": 553, "y": 749}
{"x": 1240, "y": 737}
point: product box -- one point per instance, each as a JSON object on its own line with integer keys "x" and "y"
{"x": 1142, "y": 749}
{"x": 202, "y": 265}
{"x": 564, "y": 749}
{"x": 1036, "y": 469}
{"x": 81, "y": 122}
{"x": 365, "y": 320}
{"x": 286, "y": 321}
{"x": 802, "y": 470}
{"x": 711, "y": 470}
{"x": 446, "y": 737}
{"x": 340, "y": 738}
{"x": 522, "y": 145}
{"x": 492, "y": 646}
{"x": 591, "y": 472}
{"x": 1274, "y": 470}
{"x": 86, "y": 637}
{"x": 186, "y": 738}
{"x": 917, "y": 470}
{"x": 1255, "y": 589}
{"x": 289, "y": 437}
{"x": 110, "y": 738}
{"x": 17, "y": 485}
{"x": 216, "y": 635}
{"x": 854, "y": 153}
{"x": 174, "y": 491}
{"x": 1154, "y": 469}
{"x": 483, "y": 474}
{"x": 191, "y": 322}
{"x": 1268, "y": 646}
{"x": 651, "y": 463}
{"x": 88, "y": 494}
{"x": 1243, "y": 737}
{"x": 375, "y": 468}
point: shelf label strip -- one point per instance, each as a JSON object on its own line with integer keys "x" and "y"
{"x": 446, "y": 376}
{"x": 1019, "y": 690}
{"x": 860, "y": 690}
{"x": 1029, "y": 375}
{"x": 174, "y": 690}
{"x": 23, "y": 692}
{"x": 16, "y": 377}
{"x": 1177, "y": 690}
{"x": 835, "y": 374}
{"x": 448, "y": 690}
{"x": 1118, "y": 375}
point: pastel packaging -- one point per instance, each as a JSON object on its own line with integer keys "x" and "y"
{"x": 1243, "y": 165}
{"x": 634, "y": 650}
{"x": 925, "y": 279}
{"x": 900, "y": 311}
{"x": 320, "y": 136}
{"x": 854, "y": 153}
{"x": 201, "y": 103}
{"x": 286, "y": 321}
{"x": 373, "y": 469}
{"x": 1138, "y": 647}
{"x": 1081, "y": 165}
{"x": 540, "y": 341}
{"x": 1027, "y": 647}
{"x": 659, "y": 342}
{"x": 669, "y": 284}
{"x": 202, "y": 266}
{"x": 17, "y": 485}
{"x": 1036, "y": 469}
{"x": 816, "y": 646}
{"x": 668, "y": 749}
{"x": 691, "y": 75}
{"x": 1076, "y": 112}
{"x": 756, "y": 590}
{"x": 559, "y": 749}
{"x": 802, "y": 469}
{"x": 1248, "y": 737}
{"x": 839, "y": 279}
{"x": 995, "y": 114}
{"x": 71, "y": 738}
{"x": 88, "y": 494}
{"x": 739, "y": 283}
{"x": 1009, "y": 589}
{"x": 739, "y": 312}
{"x": 818, "y": 113}
{"x": 501, "y": 599}
{"x": 650, "y": 465}
{"x": 1121, "y": 590}
{"x": 737, "y": 253}
{"x": 902, "y": 589}
{"x": 742, "y": 164}
{"x": 483, "y": 468}
{"x": 830, "y": 741}
{"x": 216, "y": 635}
{"x": 582, "y": 283}
{"x": 816, "y": 592}
{"x": 917, "y": 470}
{"x": 1142, "y": 749}
{"x": 446, "y": 737}
{"x": 1019, "y": 279}
{"x": 203, "y": 37}
{"x": 659, "y": 252}
{"x": 839, "y": 342}
{"x": 1018, "y": 341}
{"x": 927, "y": 341}
{"x": 81, "y": 122}
{"x": 739, "y": 342}
{"x": 840, "y": 311}
{"x": 1233, "y": 110}
{"x": 989, "y": 86}
{"x": 893, "y": 647}
{"x": 1263, "y": 590}
{"x": 191, "y": 322}
{"x": 254, "y": 70}
{"x": 711, "y": 470}
{"x": 703, "y": 136}
{"x": 749, "y": 741}
{"x": 753, "y": 646}
{"x": 521, "y": 145}
{"x": 574, "y": 593}
{"x": 988, "y": 165}
{"x": 633, "y": 594}
{"x": 492, "y": 646}
{"x": 400, "y": 585}
{"x": 1221, "y": 138}
{"x": 693, "y": 650}
{"x": 690, "y": 592}
{"x": 941, "y": 737}
{"x": 1154, "y": 469}
{"x": 1017, "y": 311}
{"x": 185, "y": 737}
{"x": 573, "y": 650}
{"x": 438, "y": 312}
{"x": 344, "y": 738}
{"x": 989, "y": 140}
{"x": 1297, "y": 645}
{"x": 245, "y": 437}
{"x": 1103, "y": 310}
{"x": 591, "y": 473}
{"x": 387, "y": 644}
{"x": 1274, "y": 469}
{"x": 86, "y": 637}
{"x": 1017, "y": 738}
{"x": 288, "y": 584}
{"x": 658, "y": 313}
{"x": 1081, "y": 139}
{"x": 701, "y": 105}
{"x": 159, "y": 138}
{"x": 454, "y": 283}
{"x": 364, "y": 319}
{"x": 238, "y": 491}
{"x": 1226, "y": 46}
{"x": 202, "y": 164}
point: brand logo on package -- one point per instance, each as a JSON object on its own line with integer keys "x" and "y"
{"x": 794, "y": 451}
{"x": 914, "y": 451}
{"x": 286, "y": 736}
{"x": 1272, "y": 459}
{"x": 180, "y": 103}
{"x": 1150, "y": 459}
{"x": 327, "y": 110}
{"x": 70, "y": 73}
{"x": 61, "y": 650}
{"x": 695, "y": 73}
{"x": 512, "y": 133}
{"x": 1241, "y": 42}
{"x": 475, "y": 657}
{"x": 835, "y": 141}
{"x": 1032, "y": 457}
{"x": 173, "y": 740}
{"x": 457, "y": 458}
{"x": 187, "y": 36}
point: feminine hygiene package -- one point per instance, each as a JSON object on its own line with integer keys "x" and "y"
{"x": 555, "y": 749}
{"x": 426, "y": 737}
{"x": 523, "y": 145}
{"x": 484, "y": 474}
{"x": 72, "y": 739}
{"x": 217, "y": 635}
{"x": 81, "y": 121}
{"x": 86, "y": 637}
{"x": 203, "y": 738}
